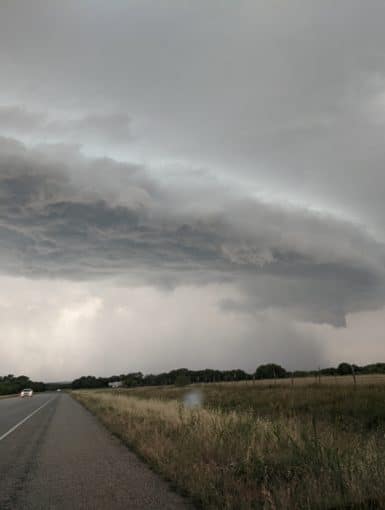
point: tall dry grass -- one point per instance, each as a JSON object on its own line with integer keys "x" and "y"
{"x": 239, "y": 459}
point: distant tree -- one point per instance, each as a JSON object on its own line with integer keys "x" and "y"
{"x": 182, "y": 380}
{"x": 134, "y": 379}
{"x": 88, "y": 381}
{"x": 14, "y": 384}
{"x": 373, "y": 368}
{"x": 299, "y": 373}
{"x": 180, "y": 374}
{"x": 270, "y": 371}
{"x": 234, "y": 375}
{"x": 344, "y": 369}
{"x": 329, "y": 371}
{"x": 357, "y": 369}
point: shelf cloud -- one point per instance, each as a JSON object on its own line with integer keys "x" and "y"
{"x": 54, "y": 223}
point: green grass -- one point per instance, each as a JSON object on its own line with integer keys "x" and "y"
{"x": 350, "y": 407}
{"x": 252, "y": 446}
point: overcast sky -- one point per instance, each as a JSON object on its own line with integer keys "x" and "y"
{"x": 195, "y": 184}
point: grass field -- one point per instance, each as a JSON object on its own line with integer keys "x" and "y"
{"x": 258, "y": 445}
{"x": 325, "y": 379}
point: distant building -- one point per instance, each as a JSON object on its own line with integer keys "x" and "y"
{"x": 115, "y": 384}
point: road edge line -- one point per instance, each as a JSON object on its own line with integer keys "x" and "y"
{"x": 12, "y": 429}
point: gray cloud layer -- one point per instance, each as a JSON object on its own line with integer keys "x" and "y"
{"x": 99, "y": 127}
{"x": 58, "y": 220}
{"x": 233, "y": 149}
{"x": 289, "y": 98}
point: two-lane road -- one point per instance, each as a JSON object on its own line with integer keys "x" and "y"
{"x": 16, "y": 411}
{"x": 55, "y": 455}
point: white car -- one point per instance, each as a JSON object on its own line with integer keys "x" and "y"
{"x": 28, "y": 392}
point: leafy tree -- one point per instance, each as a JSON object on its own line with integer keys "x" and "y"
{"x": 134, "y": 379}
{"x": 270, "y": 371}
{"x": 182, "y": 380}
{"x": 10, "y": 384}
{"x": 344, "y": 369}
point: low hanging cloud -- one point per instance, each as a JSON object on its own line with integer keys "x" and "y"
{"x": 62, "y": 217}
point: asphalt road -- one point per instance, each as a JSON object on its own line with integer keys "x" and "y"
{"x": 61, "y": 457}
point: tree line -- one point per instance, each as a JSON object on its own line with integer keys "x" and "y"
{"x": 184, "y": 376}
{"x": 10, "y": 384}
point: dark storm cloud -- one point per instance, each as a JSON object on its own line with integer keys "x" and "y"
{"x": 57, "y": 219}
{"x": 287, "y": 100}
{"x": 288, "y": 97}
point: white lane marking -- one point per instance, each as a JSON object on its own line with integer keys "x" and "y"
{"x": 24, "y": 420}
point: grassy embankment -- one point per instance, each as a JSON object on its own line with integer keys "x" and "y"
{"x": 255, "y": 446}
